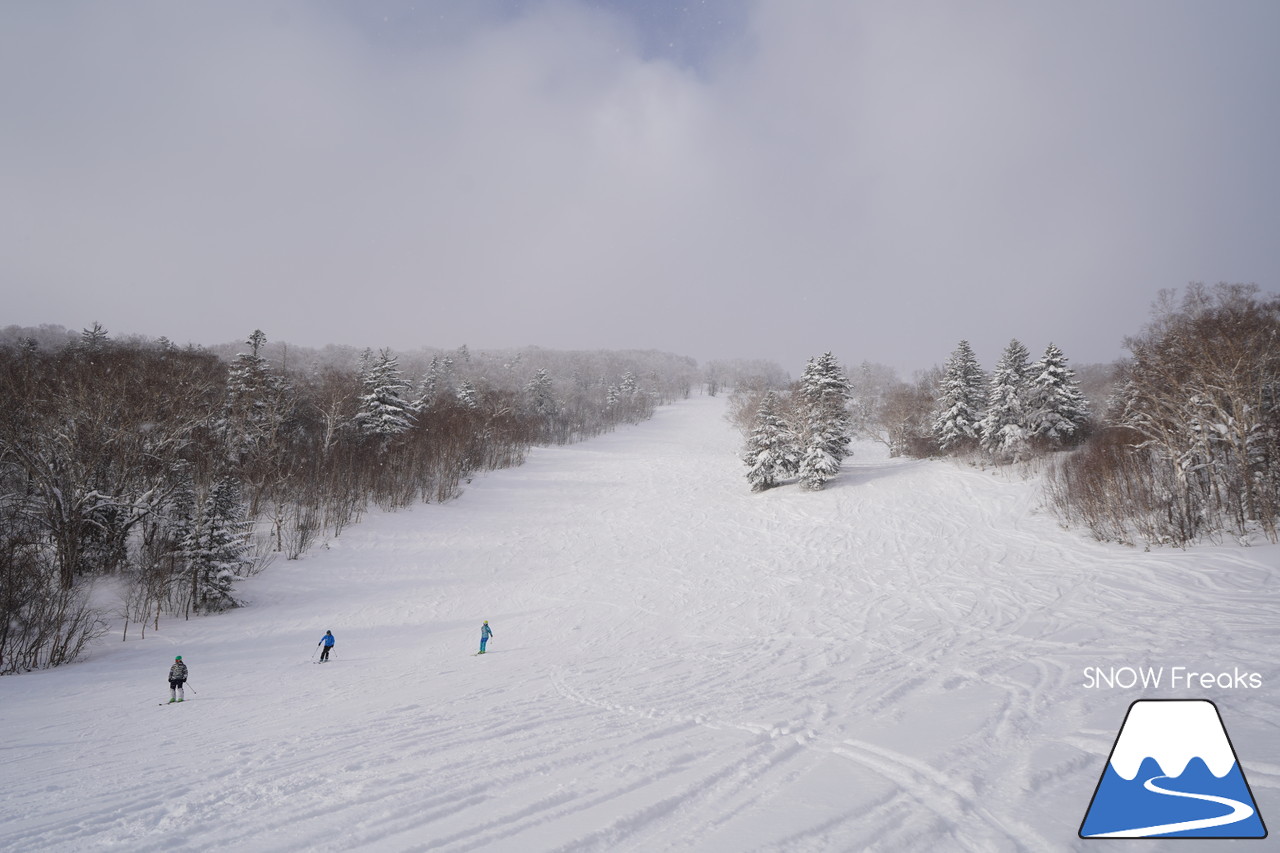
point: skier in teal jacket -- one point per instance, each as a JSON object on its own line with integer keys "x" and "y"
{"x": 485, "y": 633}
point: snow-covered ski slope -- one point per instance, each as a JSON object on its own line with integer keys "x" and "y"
{"x": 896, "y": 663}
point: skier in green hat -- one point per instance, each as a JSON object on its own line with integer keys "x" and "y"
{"x": 177, "y": 677}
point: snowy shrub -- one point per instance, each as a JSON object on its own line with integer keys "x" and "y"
{"x": 1110, "y": 487}
{"x": 1194, "y": 444}
{"x": 42, "y": 623}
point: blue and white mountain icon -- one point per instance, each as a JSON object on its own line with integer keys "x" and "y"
{"x": 1172, "y": 773}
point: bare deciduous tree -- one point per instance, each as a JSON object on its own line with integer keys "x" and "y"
{"x": 1198, "y": 401}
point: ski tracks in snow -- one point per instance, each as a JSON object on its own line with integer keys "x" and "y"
{"x": 679, "y": 665}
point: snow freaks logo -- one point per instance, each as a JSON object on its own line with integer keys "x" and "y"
{"x": 1172, "y": 773}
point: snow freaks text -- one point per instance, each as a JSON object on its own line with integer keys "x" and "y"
{"x": 1174, "y": 677}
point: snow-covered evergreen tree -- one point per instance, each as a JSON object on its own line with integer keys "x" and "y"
{"x": 365, "y": 362}
{"x": 93, "y": 338}
{"x": 628, "y": 400}
{"x": 823, "y": 428}
{"x": 432, "y": 381}
{"x": 384, "y": 410}
{"x": 467, "y": 395}
{"x": 1058, "y": 411}
{"x": 254, "y": 408}
{"x": 770, "y": 453}
{"x": 215, "y": 548}
{"x": 1005, "y": 428}
{"x": 961, "y": 400}
{"x": 541, "y": 394}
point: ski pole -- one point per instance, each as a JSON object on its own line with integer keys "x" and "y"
{"x": 313, "y": 653}
{"x": 193, "y": 690}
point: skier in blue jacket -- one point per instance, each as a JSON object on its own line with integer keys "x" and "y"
{"x": 326, "y": 641}
{"x": 485, "y": 633}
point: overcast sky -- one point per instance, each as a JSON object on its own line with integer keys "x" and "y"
{"x": 718, "y": 179}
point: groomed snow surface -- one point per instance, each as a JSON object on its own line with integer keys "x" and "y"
{"x": 895, "y": 663}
